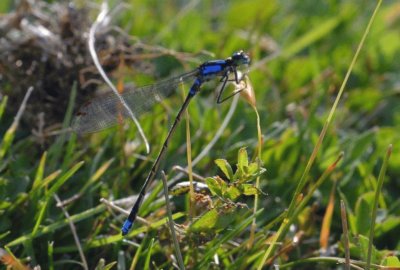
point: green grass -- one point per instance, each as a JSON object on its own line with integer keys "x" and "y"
{"x": 326, "y": 137}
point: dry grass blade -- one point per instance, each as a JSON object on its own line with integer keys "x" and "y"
{"x": 101, "y": 19}
{"x": 74, "y": 233}
{"x": 327, "y": 221}
{"x": 346, "y": 243}
{"x": 171, "y": 223}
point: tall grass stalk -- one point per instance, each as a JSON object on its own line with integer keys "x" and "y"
{"x": 381, "y": 177}
{"x": 303, "y": 180}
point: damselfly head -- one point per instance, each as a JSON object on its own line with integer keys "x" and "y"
{"x": 240, "y": 58}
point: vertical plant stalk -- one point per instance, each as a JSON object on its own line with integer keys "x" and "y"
{"x": 74, "y": 234}
{"x": 346, "y": 243}
{"x": 50, "y": 254}
{"x": 204, "y": 152}
{"x": 249, "y": 95}
{"x": 135, "y": 259}
{"x": 303, "y": 202}
{"x": 256, "y": 197}
{"x": 189, "y": 167}
{"x": 149, "y": 252}
{"x": 171, "y": 223}
{"x": 375, "y": 208}
{"x": 190, "y": 174}
{"x": 303, "y": 180}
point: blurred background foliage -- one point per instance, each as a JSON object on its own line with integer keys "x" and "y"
{"x": 300, "y": 53}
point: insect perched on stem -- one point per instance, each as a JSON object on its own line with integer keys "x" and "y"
{"x": 106, "y": 111}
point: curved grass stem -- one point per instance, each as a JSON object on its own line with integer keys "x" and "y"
{"x": 303, "y": 180}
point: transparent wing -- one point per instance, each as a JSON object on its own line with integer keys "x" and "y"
{"x": 105, "y": 111}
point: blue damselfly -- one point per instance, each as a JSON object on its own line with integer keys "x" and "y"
{"x": 106, "y": 111}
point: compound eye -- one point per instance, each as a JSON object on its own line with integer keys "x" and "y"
{"x": 238, "y": 54}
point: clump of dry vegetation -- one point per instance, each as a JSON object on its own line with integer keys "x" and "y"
{"x": 45, "y": 46}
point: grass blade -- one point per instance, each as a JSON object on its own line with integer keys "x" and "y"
{"x": 327, "y": 220}
{"x": 10, "y": 133}
{"x": 57, "y": 225}
{"x": 346, "y": 243}
{"x": 375, "y": 207}
{"x": 3, "y": 105}
{"x": 322, "y": 30}
{"x": 51, "y": 192}
{"x": 303, "y": 180}
{"x": 171, "y": 223}
{"x": 148, "y": 257}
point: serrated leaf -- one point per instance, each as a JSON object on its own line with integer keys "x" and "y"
{"x": 225, "y": 168}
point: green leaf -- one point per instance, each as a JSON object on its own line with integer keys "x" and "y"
{"x": 40, "y": 171}
{"x": 3, "y": 105}
{"x": 225, "y": 168}
{"x": 363, "y": 212}
{"x": 149, "y": 253}
{"x": 232, "y": 193}
{"x": 387, "y": 225}
{"x": 7, "y": 140}
{"x": 243, "y": 159}
{"x": 4, "y": 205}
{"x": 249, "y": 189}
{"x": 101, "y": 265}
{"x": 317, "y": 32}
{"x": 235, "y": 230}
{"x": 205, "y": 222}
{"x": 216, "y": 185}
{"x": 391, "y": 261}
{"x": 44, "y": 203}
{"x": 64, "y": 178}
{"x": 359, "y": 249}
{"x": 253, "y": 168}
{"x": 216, "y": 220}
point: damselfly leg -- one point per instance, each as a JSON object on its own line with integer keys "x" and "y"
{"x": 237, "y": 77}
